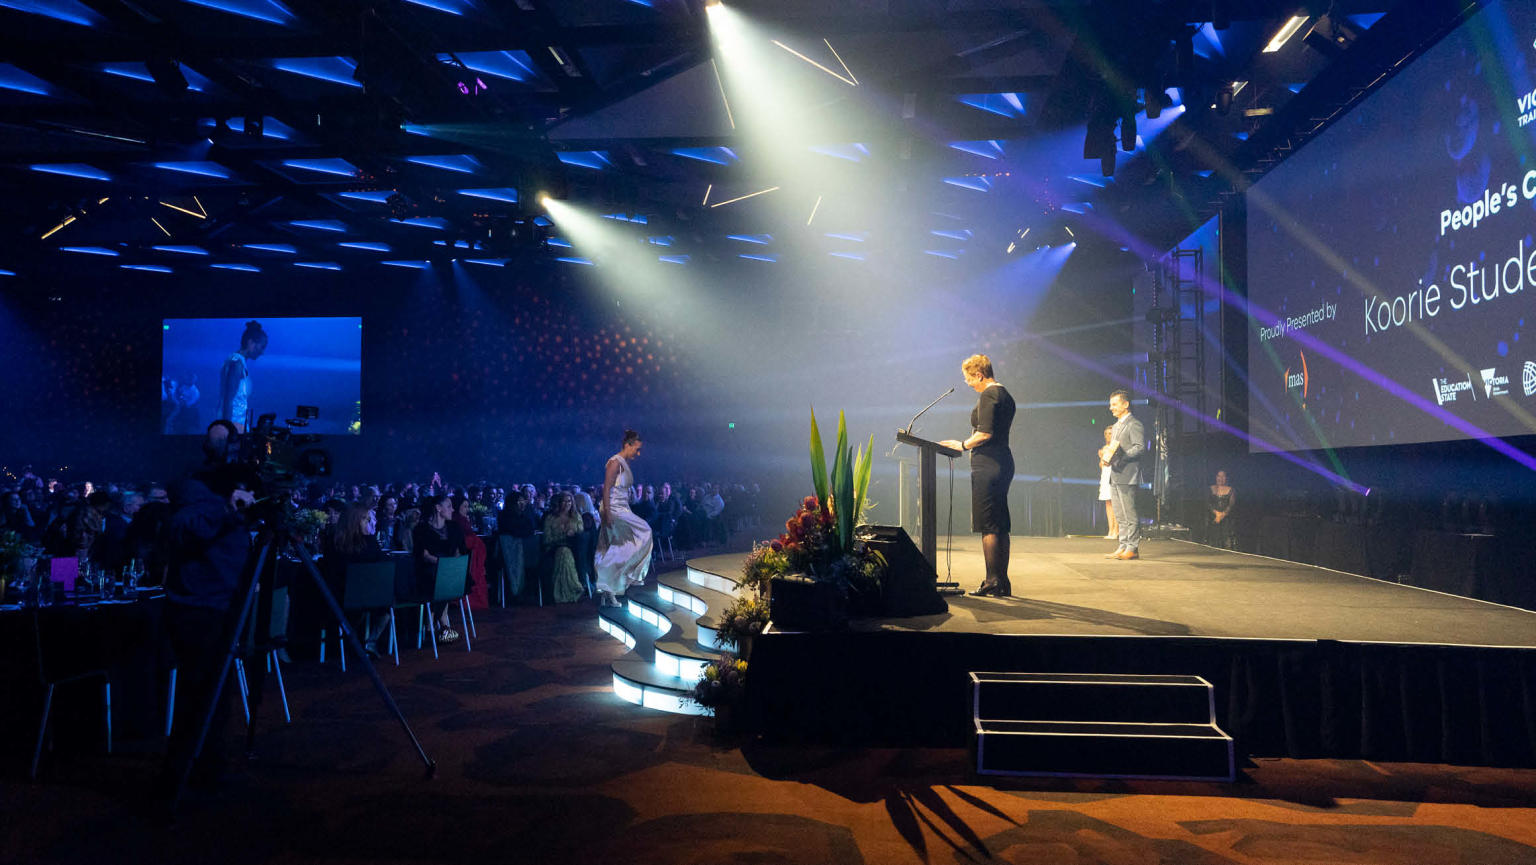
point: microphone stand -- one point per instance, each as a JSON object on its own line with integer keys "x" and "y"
{"x": 913, "y": 421}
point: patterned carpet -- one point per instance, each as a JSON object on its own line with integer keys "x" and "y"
{"x": 539, "y": 762}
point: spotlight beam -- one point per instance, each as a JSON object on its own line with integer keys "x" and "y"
{"x": 721, "y": 85}
{"x": 815, "y": 207}
{"x": 840, "y": 61}
{"x": 184, "y": 210}
{"x": 848, "y": 81}
{"x": 159, "y": 226}
{"x": 745, "y": 197}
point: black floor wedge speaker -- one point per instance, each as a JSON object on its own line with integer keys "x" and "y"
{"x": 910, "y": 587}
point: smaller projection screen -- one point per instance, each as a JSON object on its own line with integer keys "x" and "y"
{"x": 240, "y": 369}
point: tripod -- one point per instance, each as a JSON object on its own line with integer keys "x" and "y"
{"x": 269, "y": 542}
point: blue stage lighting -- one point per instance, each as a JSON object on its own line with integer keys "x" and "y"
{"x": 318, "y": 265}
{"x": 269, "y": 11}
{"x": 201, "y": 169}
{"x": 181, "y": 250}
{"x": 319, "y": 224}
{"x": 14, "y": 79}
{"x": 336, "y": 70}
{"x": 284, "y": 248}
{"x": 715, "y": 155}
{"x": 674, "y": 259}
{"x": 461, "y": 163}
{"x": 503, "y": 193}
{"x": 336, "y": 167}
{"x": 375, "y": 196}
{"x": 511, "y": 65}
{"x": 573, "y": 260}
{"x": 760, "y": 239}
{"x": 596, "y": 160}
{"x": 370, "y": 246}
{"x": 68, "y": 11}
{"x": 73, "y": 169}
{"x": 246, "y": 268}
{"x": 90, "y": 250}
{"x": 148, "y": 268}
{"x": 768, "y": 258}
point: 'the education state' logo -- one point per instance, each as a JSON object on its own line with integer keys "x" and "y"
{"x": 1447, "y": 390}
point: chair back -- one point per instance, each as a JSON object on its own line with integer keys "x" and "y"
{"x": 369, "y": 586}
{"x": 452, "y": 579}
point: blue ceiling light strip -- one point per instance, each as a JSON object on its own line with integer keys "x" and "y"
{"x": 434, "y": 222}
{"x": 284, "y": 248}
{"x": 336, "y": 70}
{"x": 942, "y": 253}
{"x": 4, "y": 272}
{"x": 713, "y": 155}
{"x": 135, "y": 71}
{"x": 1091, "y": 180}
{"x": 147, "y": 268}
{"x": 318, "y": 265}
{"x": 374, "y": 196}
{"x": 73, "y": 169}
{"x": 505, "y": 193}
{"x": 413, "y": 265}
{"x": 952, "y": 234}
{"x": 597, "y": 160}
{"x": 851, "y": 256}
{"x": 336, "y": 167}
{"x": 510, "y": 65}
{"x": 461, "y": 163}
{"x": 573, "y": 260}
{"x": 860, "y": 237}
{"x": 68, "y": 11}
{"x": 1001, "y": 104}
{"x": 674, "y": 259}
{"x": 181, "y": 250}
{"x": 319, "y": 224}
{"x": 768, "y": 258}
{"x": 90, "y": 250}
{"x": 558, "y": 243}
{"x": 271, "y": 127}
{"x": 848, "y": 152}
{"x": 270, "y": 11}
{"x": 487, "y": 262}
{"x": 636, "y": 218}
{"x": 980, "y": 184}
{"x": 452, "y": 7}
{"x": 244, "y": 268}
{"x": 201, "y": 169}
{"x": 989, "y": 149}
{"x": 1078, "y": 207}
{"x": 366, "y": 245}
{"x": 761, "y": 239}
{"x": 666, "y": 240}
{"x": 19, "y": 81}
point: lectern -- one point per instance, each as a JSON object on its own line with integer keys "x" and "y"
{"x": 927, "y": 508}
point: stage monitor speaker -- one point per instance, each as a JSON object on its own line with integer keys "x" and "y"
{"x": 910, "y": 587}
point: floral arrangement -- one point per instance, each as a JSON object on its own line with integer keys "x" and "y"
{"x": 308, "y": 522}
{"x": 722, "y": 683}
{"x": 745, "y": 617}
{"x": 14, "y": 550}
{"x": 478, "y": 510}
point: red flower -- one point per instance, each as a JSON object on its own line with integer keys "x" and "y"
{"x": 810, "y": 503}
{"x": 776, "y": 546}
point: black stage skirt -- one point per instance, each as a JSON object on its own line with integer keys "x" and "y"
{"x": 991, "y": 473}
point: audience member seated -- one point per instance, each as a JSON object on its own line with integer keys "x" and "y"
{"x": 562, "y": 532}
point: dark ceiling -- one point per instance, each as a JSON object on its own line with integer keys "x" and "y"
{"x": 266, "y": 133}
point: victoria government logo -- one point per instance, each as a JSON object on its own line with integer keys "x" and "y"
{"x": 1528, "y": 378}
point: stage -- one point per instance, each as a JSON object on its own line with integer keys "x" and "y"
{"x": 1179, "y": 589}
{"x": 1306, "y": 662}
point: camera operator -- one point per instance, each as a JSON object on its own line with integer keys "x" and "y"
{"x": 209, "y": 543}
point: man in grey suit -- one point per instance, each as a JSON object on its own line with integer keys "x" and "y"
{"x": 1123, "y": 456}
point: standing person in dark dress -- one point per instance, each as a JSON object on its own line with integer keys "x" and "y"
{"x": 991, "y": 471}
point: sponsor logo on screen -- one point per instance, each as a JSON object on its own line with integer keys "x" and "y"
{"x": 1528, "y": 378}
{"x": 1526, "y": 103}
{"x": 1298, "y": 380}
{"x": 1494, "y": 384}
{"x": 1447, "y": 390}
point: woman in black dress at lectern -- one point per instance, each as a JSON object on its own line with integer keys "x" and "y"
{"x": 991, "y": 470}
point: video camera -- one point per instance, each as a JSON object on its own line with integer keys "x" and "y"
{"x": 281, "y": 458}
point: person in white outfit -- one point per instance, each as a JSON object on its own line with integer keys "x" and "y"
{"x": 623, "y": 539}
{"x": 1106, "y": 495}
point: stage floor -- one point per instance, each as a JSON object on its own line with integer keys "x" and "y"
{"x": 1065, "y": 586}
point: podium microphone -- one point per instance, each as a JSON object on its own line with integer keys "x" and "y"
{"x": 910, "y": 423}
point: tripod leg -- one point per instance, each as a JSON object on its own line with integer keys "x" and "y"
{"x": 308, "y": 559}
{"x": 282, "y": 690}
{"x": 42, "y": 729}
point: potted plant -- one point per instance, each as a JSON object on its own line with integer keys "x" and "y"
{"x": 743, "y": 620}
{"x": 721, "y": 687}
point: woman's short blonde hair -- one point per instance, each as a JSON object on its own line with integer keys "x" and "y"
{"x": 978, "y": 365}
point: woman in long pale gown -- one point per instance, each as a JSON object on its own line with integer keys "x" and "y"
{"x": 623, "y": 539}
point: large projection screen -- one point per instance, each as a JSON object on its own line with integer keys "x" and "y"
{"x": 1391, "y": 261}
